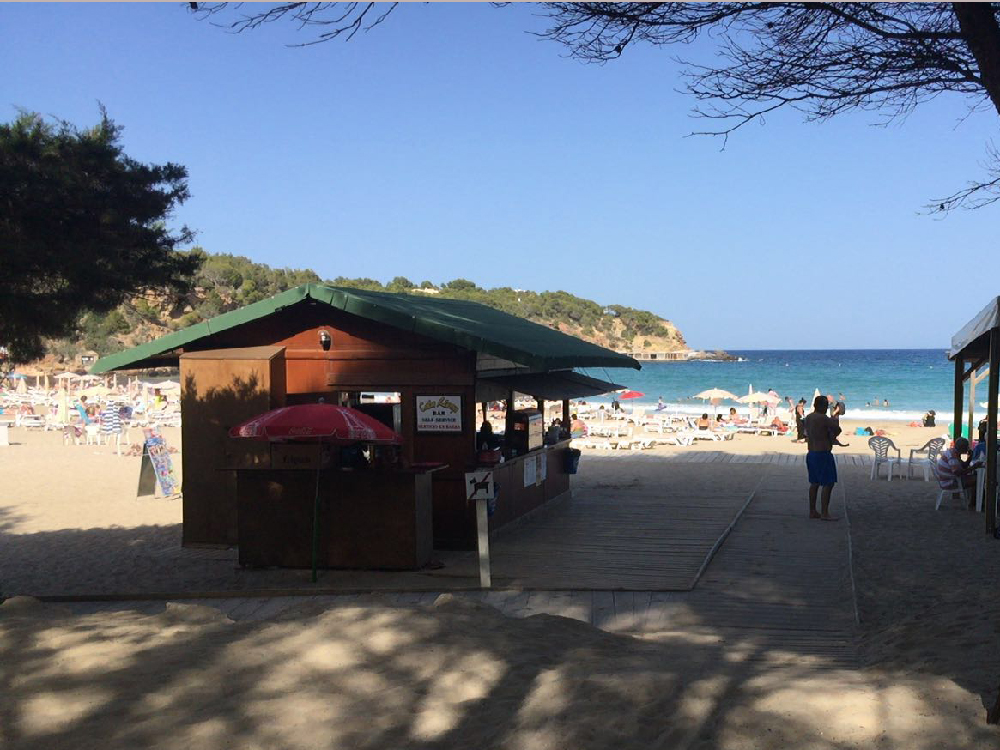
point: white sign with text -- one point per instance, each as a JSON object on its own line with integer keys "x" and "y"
{"x": 439, "y": 413}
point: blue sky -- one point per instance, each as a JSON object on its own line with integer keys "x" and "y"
{"x": 450, "y": 143}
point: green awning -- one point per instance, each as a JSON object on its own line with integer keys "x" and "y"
{"x": 466, "y": 324}
{"x": 551, "y": 386}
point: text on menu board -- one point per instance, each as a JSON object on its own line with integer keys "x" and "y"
{"x": 439, "y": 413}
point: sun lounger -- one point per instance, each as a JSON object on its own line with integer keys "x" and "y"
{"x": 678, "y": 438}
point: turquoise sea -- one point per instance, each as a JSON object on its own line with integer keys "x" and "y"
{"x": 912, "y": 380}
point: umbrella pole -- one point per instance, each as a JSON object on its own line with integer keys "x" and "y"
{"x": 315, "y": 544}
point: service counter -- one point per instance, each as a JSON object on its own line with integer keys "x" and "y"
{"x": 368, "y": 519}
{"x": 528, "y": 481}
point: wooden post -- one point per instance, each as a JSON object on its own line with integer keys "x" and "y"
{"x": 483, "y": 538}
{"x": 565, "y": 419}
{"x": 991, "y": 433}
{"x": 957, "y": 421}
{"x": 972, "y": 403}
{"x": 509, "y": 420}
{"x": 483, "y": 408}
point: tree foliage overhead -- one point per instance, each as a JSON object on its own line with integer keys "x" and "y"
{"x": 82, "y": 227}
{"x": 822, "y": 59}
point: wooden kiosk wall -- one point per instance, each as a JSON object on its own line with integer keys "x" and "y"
{"x": 282, "y": 354}
{"x": 221, "y": 388}
{"x": 363, "y": 356}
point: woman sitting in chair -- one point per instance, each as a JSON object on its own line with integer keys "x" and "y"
{"x": 704, "y": 423}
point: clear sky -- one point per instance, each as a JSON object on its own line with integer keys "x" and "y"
{"x": 450, "y": 143}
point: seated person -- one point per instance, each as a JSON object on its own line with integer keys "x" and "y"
{"x": 577, "y": 427}
{"x": 929, "y": 418}
{"x": 485, "y": 439}
{"x": 704, "y": 423}
{"x": 735, "y": 418}
{"x": 954, "y": 472}
{"x": 779, "y": 425}
{"x": 554, "y": 434}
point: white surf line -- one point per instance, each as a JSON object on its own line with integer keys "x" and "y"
{"x": 732, "y": 525}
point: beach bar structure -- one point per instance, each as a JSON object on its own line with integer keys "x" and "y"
{"x": 441, "y": 356}
{"x": 975, "y": 345}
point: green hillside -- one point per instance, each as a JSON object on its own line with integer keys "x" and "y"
{"x": 225, "y": 282}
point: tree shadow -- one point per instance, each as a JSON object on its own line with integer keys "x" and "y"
{"x": 456, "y": 675}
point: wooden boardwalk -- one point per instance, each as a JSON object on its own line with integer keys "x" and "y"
{"x": 775, "y": 458}
{"x": 638, "y": 538}
{"x": 780, "y": 583}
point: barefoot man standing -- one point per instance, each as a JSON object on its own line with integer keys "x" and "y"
{"x": 821, "y": 434}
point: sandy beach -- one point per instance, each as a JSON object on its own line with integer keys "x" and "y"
{"x": 375, "y": 671}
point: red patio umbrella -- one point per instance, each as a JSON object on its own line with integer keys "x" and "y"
{"x": 339, "y": 425}
{"x": 324, "y": 423}
{"x": 631, "y": 394}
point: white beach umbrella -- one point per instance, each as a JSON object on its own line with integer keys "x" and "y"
{"x": 66, "y": 376}
{"x": 716, "y": 393}
{"x": 758, "y": 398}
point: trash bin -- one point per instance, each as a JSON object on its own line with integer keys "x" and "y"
{"x": 572, "y": 460}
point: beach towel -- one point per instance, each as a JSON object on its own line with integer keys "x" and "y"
{"x": 111, "y": 421}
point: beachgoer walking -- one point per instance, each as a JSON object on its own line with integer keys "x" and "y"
{"x": 81, "y": 407}
{"x": 821, "y": 434}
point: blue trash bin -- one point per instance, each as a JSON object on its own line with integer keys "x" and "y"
{"x": 572, "y": 460}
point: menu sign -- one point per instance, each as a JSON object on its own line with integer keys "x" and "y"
{"x": 159, "y": 455}
{"x": 439, "y": 413}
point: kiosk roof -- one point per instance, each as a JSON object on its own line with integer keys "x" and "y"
{"x": 467, "y": 324}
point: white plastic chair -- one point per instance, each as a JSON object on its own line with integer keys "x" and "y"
{"x": 882, "y": 446}
{"x": 966, "y": 493}
{"x": 932, "y": 448}
{"x": 93, "y": 432}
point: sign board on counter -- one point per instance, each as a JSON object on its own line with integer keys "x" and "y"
{"x": 530, "y": 470}
{"x": 542, "y": 470}
{"x": 439, "y": 413}
{"x": 479, "y": 485}
{"x": 299, "y": 456}
{"x": 156, "y": 462}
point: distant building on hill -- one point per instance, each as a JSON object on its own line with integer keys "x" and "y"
{"x": 646, "y": 355}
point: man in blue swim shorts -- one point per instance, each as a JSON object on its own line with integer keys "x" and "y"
{"x": 821, "y": 434}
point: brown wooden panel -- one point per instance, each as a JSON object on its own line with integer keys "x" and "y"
{"x": 367, "y": 520}
{"x": 297, "y": 328}
{"x": 215, "y": 395}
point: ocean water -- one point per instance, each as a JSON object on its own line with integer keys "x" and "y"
{"x": 912, "y": 380}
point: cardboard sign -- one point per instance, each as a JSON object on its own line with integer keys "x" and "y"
{"x": 542, "y": 469}
{"x": 439, "y": 413}
{"x": 159, "y": 456}
{"x": 479, "y": 485}
{"x": 292, "y": 456}
{"x": 530, "y": 471}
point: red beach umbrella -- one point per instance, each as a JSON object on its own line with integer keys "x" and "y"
{"x": 631, "y": 394}
{"x": 324, "y": 423}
